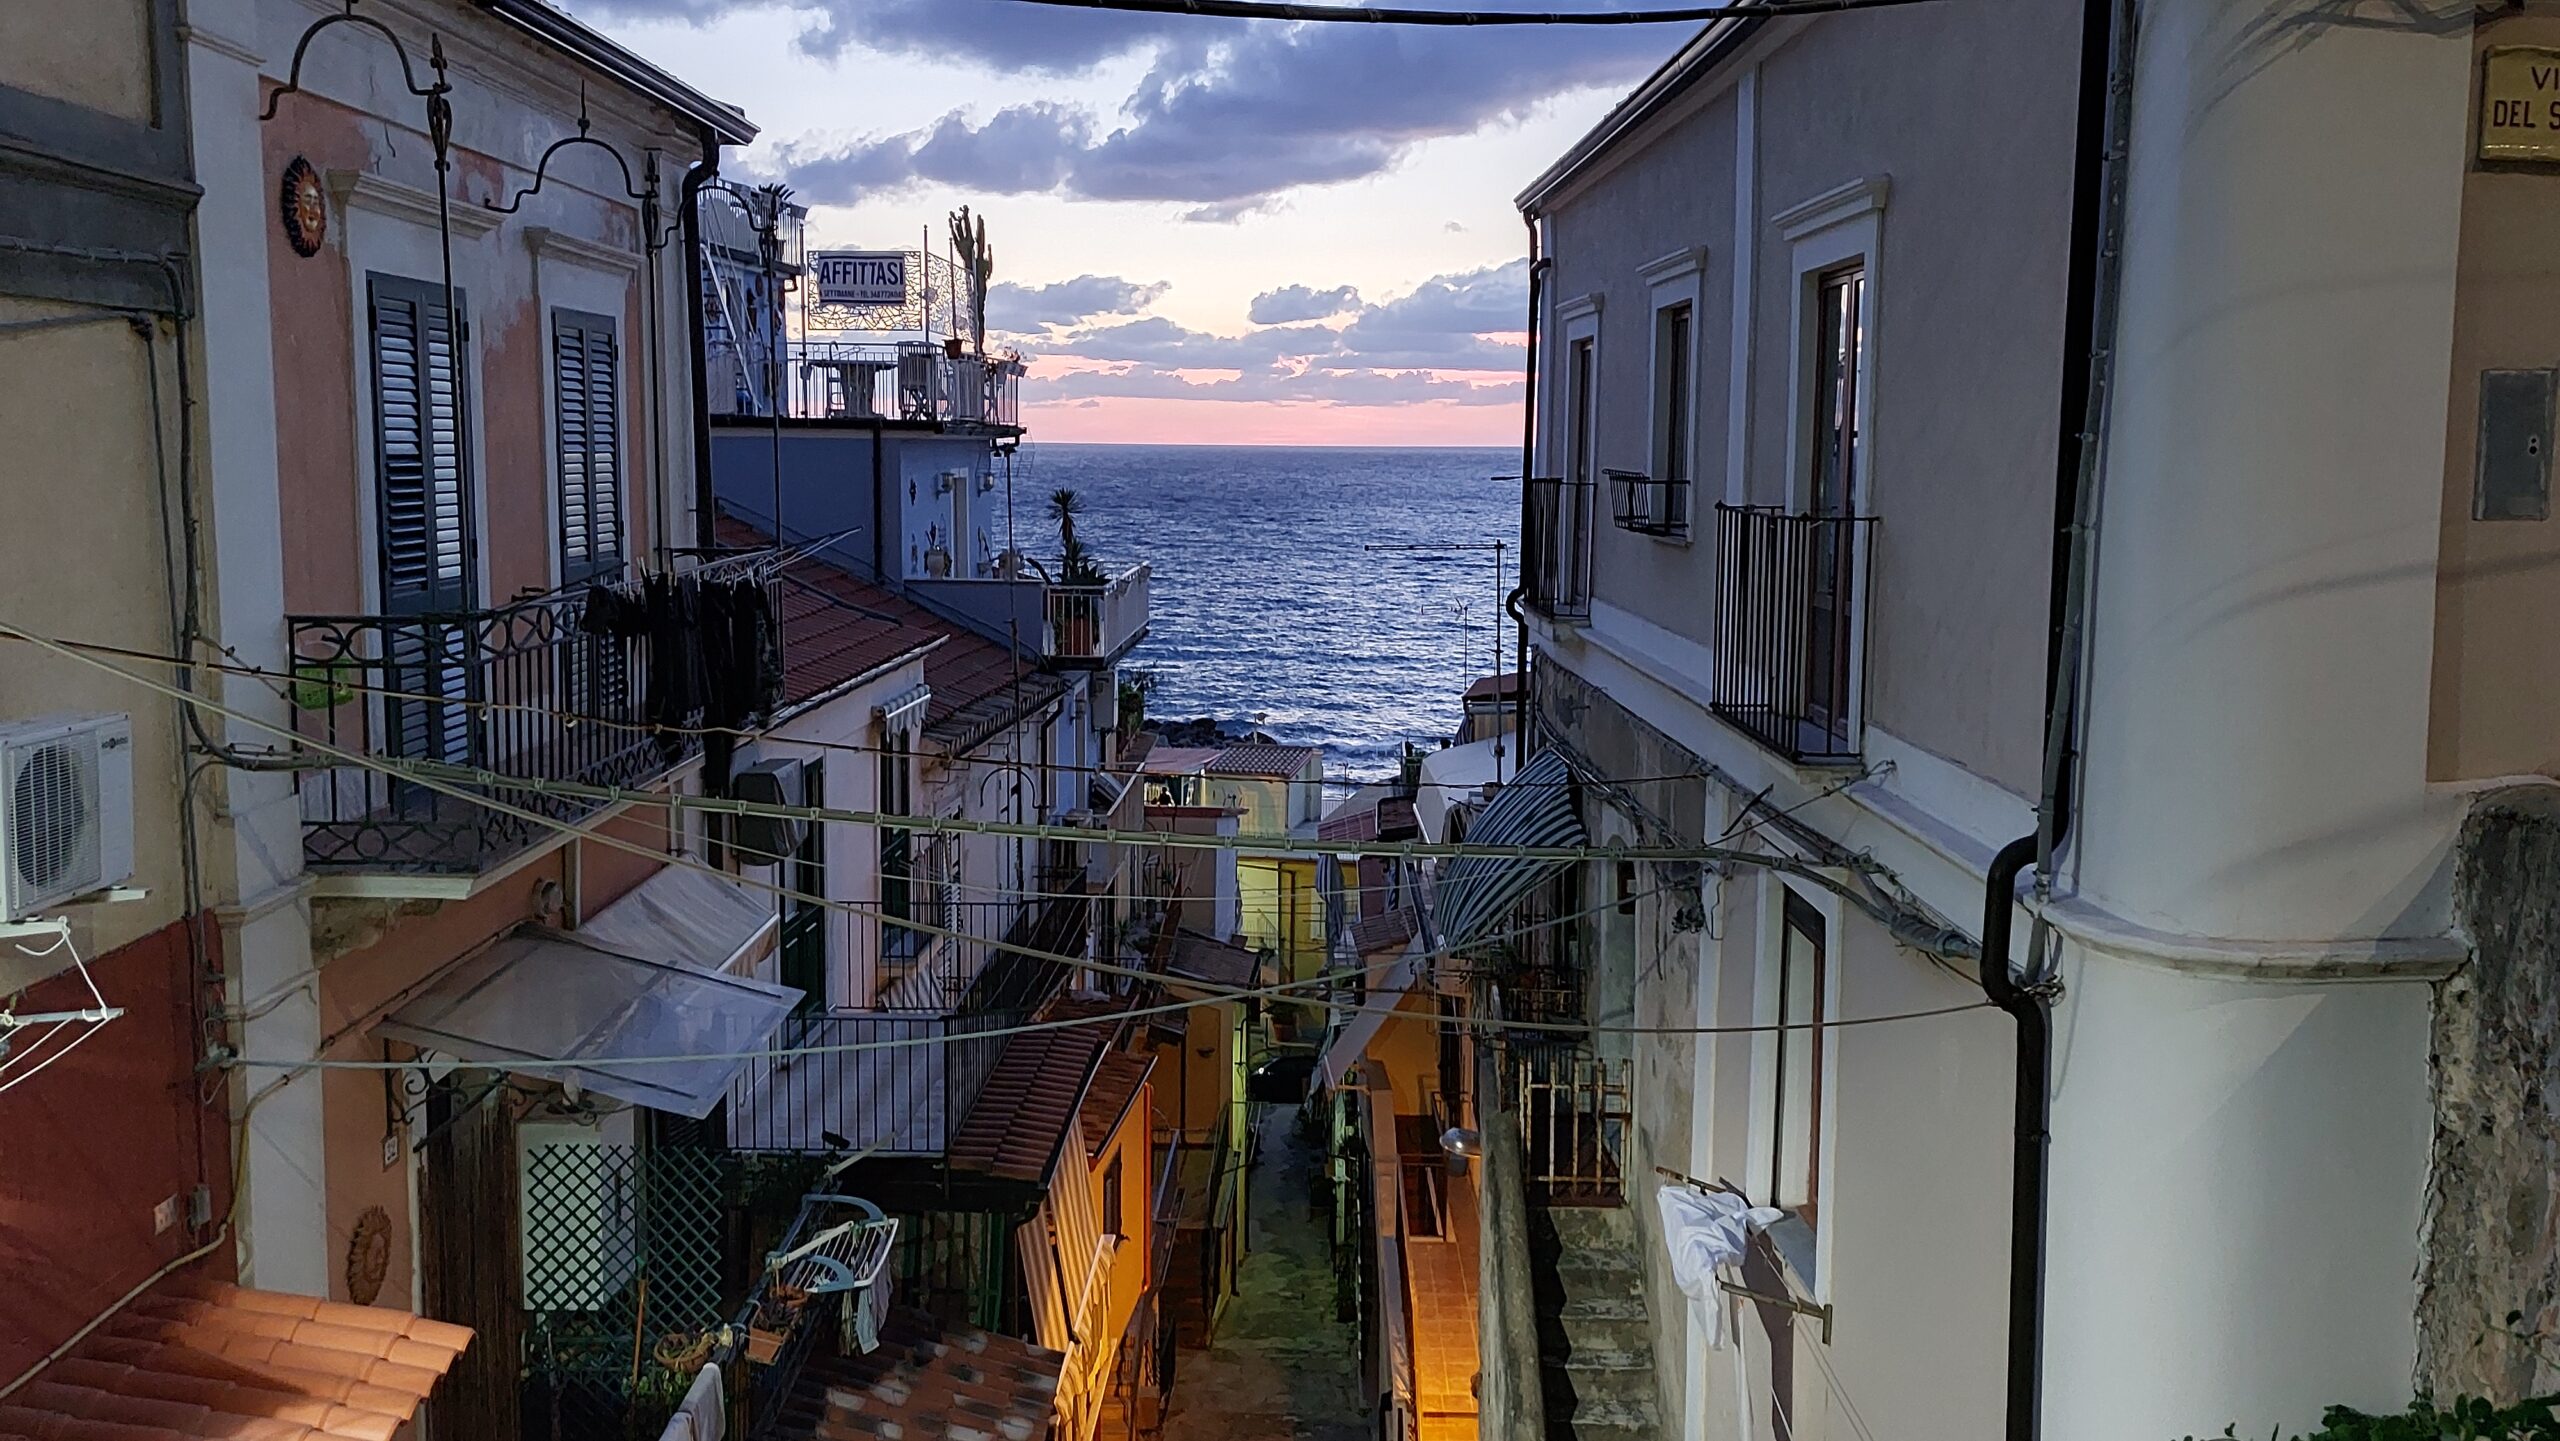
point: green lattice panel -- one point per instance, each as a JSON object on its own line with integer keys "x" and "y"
{"x": 609, "y": 1229}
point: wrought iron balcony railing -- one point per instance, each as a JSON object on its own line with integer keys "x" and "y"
{"x": 1099, "y": 623}
{"x": 1791, "y": 596}
{"x": 907, "y": 380}
{"x": 1648, "y": 505}
{"x": 521, "y": 690}
{"x": 1555, "y": 560}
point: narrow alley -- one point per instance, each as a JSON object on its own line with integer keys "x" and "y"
{"x": 1280, "y": 1368}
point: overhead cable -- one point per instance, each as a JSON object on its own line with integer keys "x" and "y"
{"x": 1404, "y": 15}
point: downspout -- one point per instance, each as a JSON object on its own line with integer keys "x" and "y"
{"x": 2097, "y": 206}
{"x": 1516, "y": 601}
{"x": 705, "y": 505}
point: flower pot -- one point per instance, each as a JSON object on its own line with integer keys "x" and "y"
{"x": 952, "y": 348}
{"x": 763, "y": 1347}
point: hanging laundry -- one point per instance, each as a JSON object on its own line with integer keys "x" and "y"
{"x": 1705, "y": 1232}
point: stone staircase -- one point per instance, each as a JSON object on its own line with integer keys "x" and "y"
{"x": 1595, "y": 1340}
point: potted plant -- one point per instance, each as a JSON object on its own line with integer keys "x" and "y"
{"x": 775, "y": 1318}
{"x": 1076, "y": 616}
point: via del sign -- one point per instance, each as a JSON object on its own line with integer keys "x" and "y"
{"x": 2520, "y": 104}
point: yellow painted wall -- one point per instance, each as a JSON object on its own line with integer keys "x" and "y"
{"x": 1132, "y": 1147}
{"x": 1280, "y": 909}
{"x": 80, "y": 507}
{"x": 1407, "y": 1046}
{"x": 91, "y": 53}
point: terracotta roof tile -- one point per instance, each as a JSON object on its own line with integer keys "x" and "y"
{"x": 1387, "y": 932}
{"x": 1016, "y": 1127}
{"x": 1489, "y": 687}
{"x": 209, "y": 1360}
{"x": 836, "y": 627}
{"x": 1205, "y": 958}
{"x": 1267, "y": 761}
{"x": 928, "y": 1381}
{"x": 1115, "y": 1084}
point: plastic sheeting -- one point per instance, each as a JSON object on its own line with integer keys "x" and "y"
{"x": 684, "y": 917}
{"x": 538, "y": 995}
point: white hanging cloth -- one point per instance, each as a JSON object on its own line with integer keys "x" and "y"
{"x": 1706, "y": 1232}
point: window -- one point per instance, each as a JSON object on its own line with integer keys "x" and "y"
{"x": 1837, "y": 344}
{"x": 898, "y": 899}
{"x": 426, "y": 547}
{"x": 586, "y": 410}
{"x": 1795, "y": 1147}
{"x": 1666, "y": 507}
{"x": 1583, "y": 375}
{"x": 1113, "y": 1225}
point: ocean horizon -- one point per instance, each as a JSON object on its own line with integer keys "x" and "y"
{"x": 1269, "y": 607}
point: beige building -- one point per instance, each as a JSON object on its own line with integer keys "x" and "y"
{"x": 1824, "y": 311}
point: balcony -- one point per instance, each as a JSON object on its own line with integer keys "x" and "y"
{"x": 1555, "y": 561}
{"x": 1647, "y": 506}
{"x": 521, "y": 690}
{"x": 1791, "y": 594}
{"x": 908, "y": 1090}
{"x": 909, "y": 380}
{"x": 1097, "y": 624}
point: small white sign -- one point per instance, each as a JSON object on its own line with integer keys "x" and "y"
{"x": 860, "y": 277}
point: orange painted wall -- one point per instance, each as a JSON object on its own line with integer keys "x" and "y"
{"x": 1134, "y": 1150}
{"x": 317, "y": 388}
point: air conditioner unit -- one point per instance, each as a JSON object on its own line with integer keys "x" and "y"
{"x": 764, "y": 840}
{"x": 66, "y": 810}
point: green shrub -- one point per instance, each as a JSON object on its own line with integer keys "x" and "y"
{"x": 2468, "y": 1419}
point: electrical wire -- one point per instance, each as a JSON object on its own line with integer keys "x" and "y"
{"x": 1398, "y": 15}
{"x": 281, "y": 682}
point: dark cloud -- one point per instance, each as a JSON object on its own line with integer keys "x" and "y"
{"x": 1447, "y": 323}
{"x": 1225, "y": 118}
{"x": 994, "y": 33}
{"x": 1298, "y": 302}
{"x": 1024, "y": 309}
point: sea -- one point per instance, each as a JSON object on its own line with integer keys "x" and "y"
{"x": 1325, "y": 596}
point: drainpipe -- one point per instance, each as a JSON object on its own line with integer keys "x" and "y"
{"x": 1515, "y": 602}
{"x": 2097, "y": 204}
{"x": 705, "y": 505}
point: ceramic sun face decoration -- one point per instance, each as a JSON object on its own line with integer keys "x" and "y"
{"x": 306, "y": 208}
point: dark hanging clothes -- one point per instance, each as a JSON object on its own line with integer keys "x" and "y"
{"x": 667, "y": 615}
{"x": 742, "y": 654}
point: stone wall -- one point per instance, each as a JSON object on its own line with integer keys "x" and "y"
{"x": 2489, "y": 1263}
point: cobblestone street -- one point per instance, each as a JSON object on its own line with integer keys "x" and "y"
{"x": 1281, "y": 1368}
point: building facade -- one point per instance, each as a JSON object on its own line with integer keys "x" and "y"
{"x": 1820, "y": 331}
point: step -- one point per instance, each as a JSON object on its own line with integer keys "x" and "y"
{"x": 1591, "y": 1333}
{"x": 1640, "y": 1415}
{"x": 1602, "y": 1224}
{"x": 1611, "y": 1359}
{"x": 1570, "y": 1430}
{"x": 1601, "y": 1306}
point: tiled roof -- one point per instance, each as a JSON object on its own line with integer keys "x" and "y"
{"x": 1015, "y": 1128}
{"x": 1349, "y": 825}
{"x": 1115, "y": 1085}
{"x": 1255, "y": 759}
{"x": 1387, "y": 932}
{"x": 836, "y": 627}
{"x": 928, "y": 1381}
{"x": 200, "y": 1359}
{"x": 1204, "y": 958}
{"x": 1493, "y": 686}
{"x": 1162, "y": 760}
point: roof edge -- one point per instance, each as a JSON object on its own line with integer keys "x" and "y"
{"x": 560, "y": 31}
{"x": 1690, "y": 64}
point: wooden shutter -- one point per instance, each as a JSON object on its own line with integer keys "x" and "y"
{"x": 423, "y": 514}
{"x": 586, "y": 398}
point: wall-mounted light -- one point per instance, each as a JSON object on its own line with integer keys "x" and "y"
{"x": 1463, "y": 1146}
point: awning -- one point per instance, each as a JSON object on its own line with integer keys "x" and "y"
{"x": 1476, "y": 893}
{"x": 196, "y": 1357}
{"x": 1385, "y": 999}
{"x": 685, "y": 917}
{"x": 541, "y": 995}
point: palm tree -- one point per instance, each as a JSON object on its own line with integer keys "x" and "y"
{"x": 1075, "y": 566}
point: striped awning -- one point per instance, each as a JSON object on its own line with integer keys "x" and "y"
{"x": 1476, "y": 893}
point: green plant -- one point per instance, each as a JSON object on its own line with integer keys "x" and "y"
{"x": 2469, "y": 1418}
{"x": 1076, "y": 566}
{"x": 1136, "y": 686}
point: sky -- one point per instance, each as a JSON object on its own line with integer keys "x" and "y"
{"x": 1205, "y": 231}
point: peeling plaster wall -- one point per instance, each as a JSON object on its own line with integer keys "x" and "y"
{"x": 2489, "y": 1262}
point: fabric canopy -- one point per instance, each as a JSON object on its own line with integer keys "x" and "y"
{"x": 684, "y": 917}
{"x": 541, "y": 995}
{"x": 1476, "y": 893}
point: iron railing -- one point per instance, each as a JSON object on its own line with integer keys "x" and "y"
{"x": 1575, "y": 1107}
{"x": 888, "y": 1083}
{"x": 900, "y": 1083}
{"x": 1791, "y": 592}
{"x": 1649, "y": 506}
{"x": 906, "y": 380}
{"x": 1099, "y": 622}
{"x": 1555, "y": 559}
{"x": 520, "y": 690}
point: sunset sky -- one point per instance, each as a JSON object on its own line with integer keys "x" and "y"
{"x": 1205, "y": 231}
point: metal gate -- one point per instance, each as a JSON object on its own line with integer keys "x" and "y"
{"x": 622, "y": 1282}
{"x": 1574, "y": 1110}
